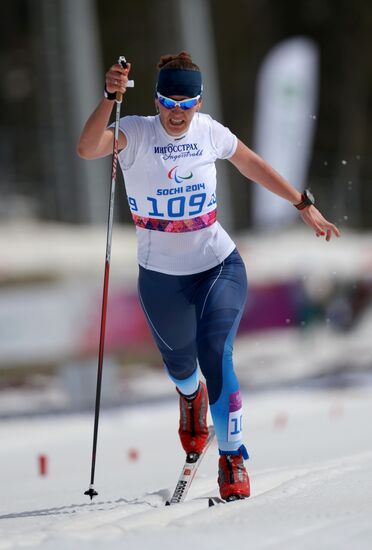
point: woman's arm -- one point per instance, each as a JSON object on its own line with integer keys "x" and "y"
{"x": 253, "y": 167}
{"x": 96, "y": 139}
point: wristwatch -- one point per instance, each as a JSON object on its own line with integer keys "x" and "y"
{"x": 307, "y": 199}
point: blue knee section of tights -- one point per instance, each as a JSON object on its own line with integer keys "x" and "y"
{"x": 227, "y": 411}
{"x": 189, "y": 385}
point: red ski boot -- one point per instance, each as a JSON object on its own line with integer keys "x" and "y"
{"x": 233, "y": 479}
{"x": 193, "y": 430}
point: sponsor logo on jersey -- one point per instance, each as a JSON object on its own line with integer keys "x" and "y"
{"x": 175, "y": 151}
{"x": 173, "y": 175}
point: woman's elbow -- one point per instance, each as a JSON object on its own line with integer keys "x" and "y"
{"x": 83, "y": 151}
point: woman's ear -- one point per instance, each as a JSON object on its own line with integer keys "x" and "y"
{"x": 156, "y": 106}
{"x": 199, "y": 104}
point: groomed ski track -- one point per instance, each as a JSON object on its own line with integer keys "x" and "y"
{"x": 310, "y": 468}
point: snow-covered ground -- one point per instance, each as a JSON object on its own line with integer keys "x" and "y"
{"x": 310, "y": 469}
{"x": 311, "y": 449}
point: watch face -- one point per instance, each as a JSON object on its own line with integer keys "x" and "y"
{"x": 309, "y": 197}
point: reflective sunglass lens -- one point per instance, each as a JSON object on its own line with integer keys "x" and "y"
{"x": 188, "y": 103}
{"x": 167, "y": 103}
{"x": 184, "y": 104}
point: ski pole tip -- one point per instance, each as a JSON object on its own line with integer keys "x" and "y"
{"x": 91, "y": 493}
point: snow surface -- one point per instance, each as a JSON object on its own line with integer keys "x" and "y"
{"x": 310, "y": 469}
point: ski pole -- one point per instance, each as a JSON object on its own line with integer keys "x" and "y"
{"x": 119, "y": 97}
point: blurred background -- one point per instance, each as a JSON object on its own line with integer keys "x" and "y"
{"x": 293, "y": 80}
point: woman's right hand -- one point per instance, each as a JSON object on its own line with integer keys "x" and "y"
{"x": 96, "y": 139}
{"x": 117, "y": 78}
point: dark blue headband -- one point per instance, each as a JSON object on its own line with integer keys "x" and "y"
{"x": 183, "y": 82}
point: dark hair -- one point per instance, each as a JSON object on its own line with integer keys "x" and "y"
{"x": 182, "y": 60}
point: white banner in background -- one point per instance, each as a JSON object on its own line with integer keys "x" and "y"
{"x": 287, "y": 97}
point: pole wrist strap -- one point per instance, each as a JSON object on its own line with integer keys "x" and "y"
{"x": 109, "y": 95}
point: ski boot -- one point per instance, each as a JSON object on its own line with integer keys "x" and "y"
{"x": 193, "y": 430}
{"x": 233, "y": 478}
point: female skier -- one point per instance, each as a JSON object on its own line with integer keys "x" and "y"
{"x": 192, "y": 282}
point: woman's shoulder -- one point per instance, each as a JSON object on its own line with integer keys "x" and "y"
{"x": 204, "y": 119}
{"x": 137, "y": 126}
{"x": 221, "y": 138}
{"x": 138, "y": 120}
{"x": 206, "y": 122}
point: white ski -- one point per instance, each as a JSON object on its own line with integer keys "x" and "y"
{"x": 189, "y": 470}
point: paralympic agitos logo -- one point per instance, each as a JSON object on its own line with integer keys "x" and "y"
{"x": 173, "y": 175}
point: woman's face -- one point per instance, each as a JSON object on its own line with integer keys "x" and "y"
{"x": 176, "y": 121}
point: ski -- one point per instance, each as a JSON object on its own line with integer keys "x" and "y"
{"x": 213, "y": 501}
{"x": 189, "y": 470}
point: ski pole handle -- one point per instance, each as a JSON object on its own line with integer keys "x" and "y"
{"x": 130, "y": 84}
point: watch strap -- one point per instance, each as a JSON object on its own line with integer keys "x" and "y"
{"x": 307, "y": 199}
{"x": 303, "y": 204}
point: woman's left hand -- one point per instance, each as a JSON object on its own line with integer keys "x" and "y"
{"x": 322, "y": 227}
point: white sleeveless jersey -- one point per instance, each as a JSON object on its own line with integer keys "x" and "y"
{"x": 171, "y": 189}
